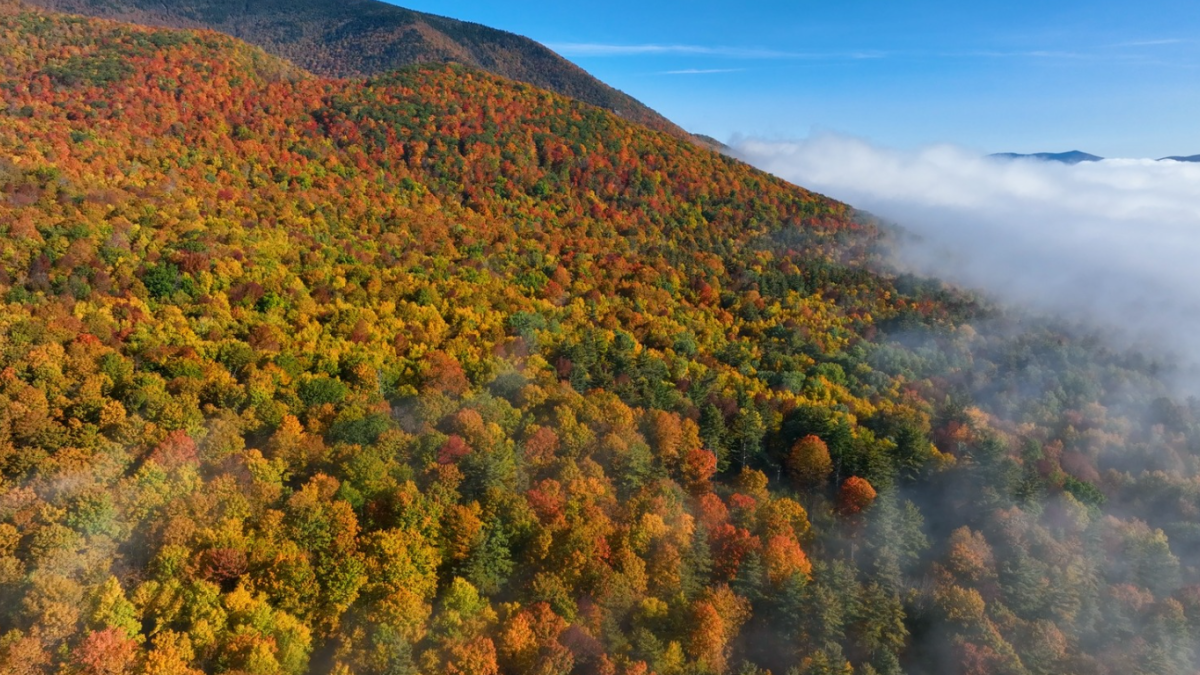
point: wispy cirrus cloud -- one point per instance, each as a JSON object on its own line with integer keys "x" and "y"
{"x": 1097, "y": 54}
{"x": 1028, "y": 54}
{"x": 600, "y": 49}
{"x": 703, "y": 71}
{"x": 1109, "y": 55}
{"x": 1151, "y": 43}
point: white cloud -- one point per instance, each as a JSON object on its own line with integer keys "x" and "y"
{"x": 703, "y": 71}
{"x": 1034, "y": 54}
{"x": 1123, "y": 54}
{"x": 1151, "y": 43}
{"x": 1116, "y": 243}
{"x": 598, "y": 49}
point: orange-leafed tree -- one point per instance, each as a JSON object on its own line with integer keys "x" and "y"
{"x": 856, "y": 496}
{"x": 808, "y": 463}
{"x": 106, "y": 652}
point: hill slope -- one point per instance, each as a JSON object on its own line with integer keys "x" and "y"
{"x": 441, "y": 373}
{"x": 348, "y": 38}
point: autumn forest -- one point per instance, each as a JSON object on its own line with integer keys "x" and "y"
{"x": 438, "y": 372}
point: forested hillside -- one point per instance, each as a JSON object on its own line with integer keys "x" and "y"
{"x": 442, "y": 373}
{"x": 354, "y": 38}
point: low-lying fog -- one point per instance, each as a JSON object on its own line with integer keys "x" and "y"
{"x": 1114, "y": 243}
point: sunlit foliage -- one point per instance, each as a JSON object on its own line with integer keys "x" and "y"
{"x": 439, "y": 373}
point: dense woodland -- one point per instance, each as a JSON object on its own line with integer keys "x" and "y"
{"x": 441, "y": 373}
{"x": 356, "y": 38}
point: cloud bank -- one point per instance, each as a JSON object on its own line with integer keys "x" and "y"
{"x": 1113, "y": 243}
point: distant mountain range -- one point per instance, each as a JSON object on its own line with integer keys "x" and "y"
{"x": 1072, "y": 157}
{"x": 351, "y": 38}
{"x": 1077, "y": 157}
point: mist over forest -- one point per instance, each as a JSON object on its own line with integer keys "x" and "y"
{"x": 433, "y": 372}
{"x": 1110, "y": 245}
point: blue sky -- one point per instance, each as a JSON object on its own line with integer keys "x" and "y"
{"x": 1116, "y": 78}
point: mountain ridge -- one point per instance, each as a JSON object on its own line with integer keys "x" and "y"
{"x": 355, "y": 38}
{"x": 1077, "y": 157}
{"x": 1069, "y": 157}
